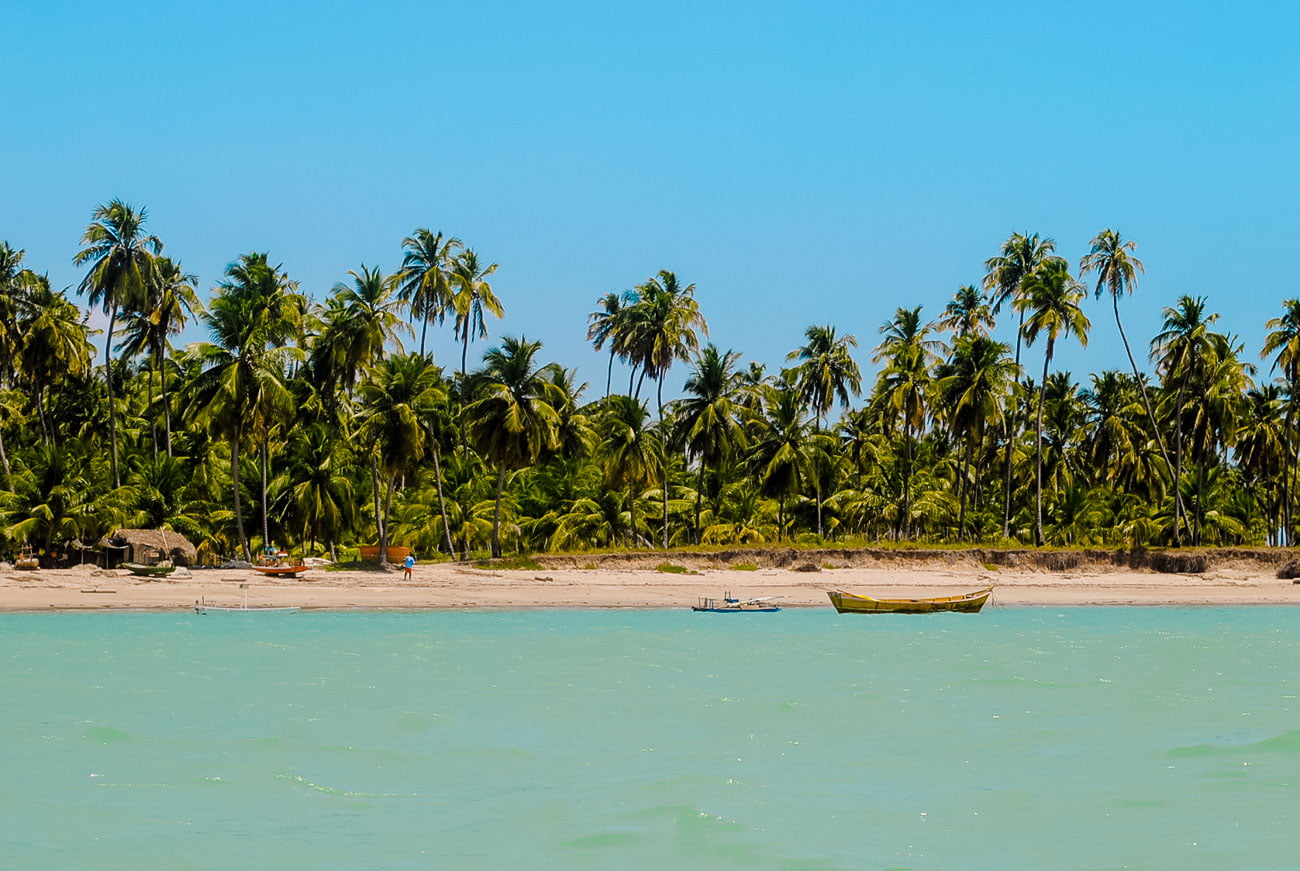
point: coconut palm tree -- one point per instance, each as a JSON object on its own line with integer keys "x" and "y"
{"x": 55, "y": 343}
{"x": 1050, "y": 299}
{"x": 781, "y": 454}
{"x": 1283, "y": 343}
{"x": 1117, "y": 271}
{"x": 362, "y": 321}
{"x": 426, "y": 276}
{"x": 634, "y": 452}
{"x": 604, "y": 325}
{"x": 471, "y": 297}
{"x": 1022, "y": 254}
{"x": 827, "y": 370}
{"x": 661, "y": 327}
{"x": 512, "y": 419}
{"x": 708, "y": 417}
{"x": 973, "y": 388}
{"x": 967, "y": 314}
{"x": 122, "y": 267}
{"x": 396, "y": 404}
{"x": 240, "y": 387}
{"x": 902, "y": 391}
{"x": 149, "y": 326}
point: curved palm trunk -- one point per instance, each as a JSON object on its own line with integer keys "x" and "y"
{"x": 1151, "y": 418}
{"x": 699, "y": 493}
{"x": 1038, "y": 448}
{"x": 442, "y": 503}
{"x": 424, "y": 329}
{"x": 609, "y": 373}
{"x": 496, "y": 514}
{"x": 108, "y": 384}
{"x": 153, "y": 415}
{"x": 631, "y": 516}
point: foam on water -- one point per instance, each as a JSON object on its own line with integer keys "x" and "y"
{"x": 1018, "y": 738}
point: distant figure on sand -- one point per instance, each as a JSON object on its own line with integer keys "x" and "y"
{"x": 407, "y": 565}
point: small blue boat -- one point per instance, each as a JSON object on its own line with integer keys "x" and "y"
{"x": 729, "y": 605}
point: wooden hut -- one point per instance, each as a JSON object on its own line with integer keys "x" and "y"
{"x": 147, "y": 547}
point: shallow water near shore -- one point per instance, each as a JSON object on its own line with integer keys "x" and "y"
{"x": 1079, "y": 738}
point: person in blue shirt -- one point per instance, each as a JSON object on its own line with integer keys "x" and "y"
{"x": 407, "y": 565}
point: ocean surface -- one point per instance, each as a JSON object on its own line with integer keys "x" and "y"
{"x": 1019, "y": 738}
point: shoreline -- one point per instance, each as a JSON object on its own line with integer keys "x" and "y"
{"x": 455, "y": 586}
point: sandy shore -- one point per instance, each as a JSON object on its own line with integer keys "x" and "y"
{"x": 463, "y": 586}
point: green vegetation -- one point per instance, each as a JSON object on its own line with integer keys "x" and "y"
{"x": 671, "y": 569}
{"x": 744, "y": 567}
{"x": 306, "y": 423}
{"x": 510, "y": 563}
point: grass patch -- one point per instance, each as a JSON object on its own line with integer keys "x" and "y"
{"x": 744, "y": 567}
{"x": 671, "y": 569}
{"x": 354, "y": 565}
{"x": 590, "y": 567}
{"x": 992, "y": 567}
{"x": 827, "y": 566}
{"x": 508, "y": 563}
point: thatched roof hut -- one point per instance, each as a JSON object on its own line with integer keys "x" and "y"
{"x": 148, "y": 546}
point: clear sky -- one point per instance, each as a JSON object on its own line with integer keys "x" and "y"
{"x": 800, "y": 163}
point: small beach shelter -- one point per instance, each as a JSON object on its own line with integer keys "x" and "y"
{"x": 147, "y": 547}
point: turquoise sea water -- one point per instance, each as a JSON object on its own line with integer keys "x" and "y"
{"x": 1080, "y": 738}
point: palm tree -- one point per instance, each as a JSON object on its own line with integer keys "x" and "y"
{"x": 781, "y": 447}
{"x": 512, "y": 421}
{"x": 426, "y": 276}
{"x": 15, "y": 279}
{"x": 604, "y": 325}
{"x": 1181, "y": 350}
{"x": 1005, "y": 275}
{"x": 973, "y": 388}
{"x": 1283, "y": 342}
{"x": 472, "y": 296}
{"x": 634, "y": 452}
{"x": 161, "y": 314}
{"x": 1117, "y": 270}
{"x": 661, "y": 328}
{"x": 363, "y": 319}
{"x": 1051, "y": 300}
{"x": 708, "y": 416}
{"x": 240, "y": 388}
{"x": 967, "y": 314}
{"x": 396, "y": 404}
{"x": 121, "y": 259}
{"x": 903, "y": 387}
{"x": 55, "y": 343}
{"x": 828, "y": 370}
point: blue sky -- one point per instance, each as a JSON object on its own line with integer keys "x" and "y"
{"x": 800, "y": 163}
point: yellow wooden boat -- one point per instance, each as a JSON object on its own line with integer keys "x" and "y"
{"x": 848, "y": 603}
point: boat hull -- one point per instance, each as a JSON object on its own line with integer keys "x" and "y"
{"x": 734, "y": 610}
{"x": 280, "y": 571}
{"x": 967, "y": 603}
{"x": 213, "y": 609}
{"x": 148, "y": 571}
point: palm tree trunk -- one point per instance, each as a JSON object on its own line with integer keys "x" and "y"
{"x": 153, "y": 423}
{"x": 424, "y": 328}
{"x": 166, "y": 404}
{"x": 1038, "y": 449}
{"x": 379, "y": 516}
{"x": 665, "y": 495}
{"x": 1151, "y": 417}
{"x": 266, "y": 526}
{"x": 239, "y": 510}
{"x": 631, "y": 516}
{"x": 907, "y": 480}
{"x": 963, "y": 486}
{"x": 108, "y": 384}
{"x": 1178, "y": 464}
{"x": 388, "y": 514}
{"x": 699, "y": 493}
{"x": 1011, "y": 436}
{"x": 609, "y": 372}
{"x": 442, "y": 503}
{"x": 496, "y": 514}
{"x": 4, "y": 459}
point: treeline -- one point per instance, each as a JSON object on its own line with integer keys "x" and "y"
{"x": 309, "y": 425}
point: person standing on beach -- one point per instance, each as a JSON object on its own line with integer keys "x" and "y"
{"x": 407, "y": 565}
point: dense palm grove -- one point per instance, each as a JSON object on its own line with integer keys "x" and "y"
{"x": 310, "y": 425}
